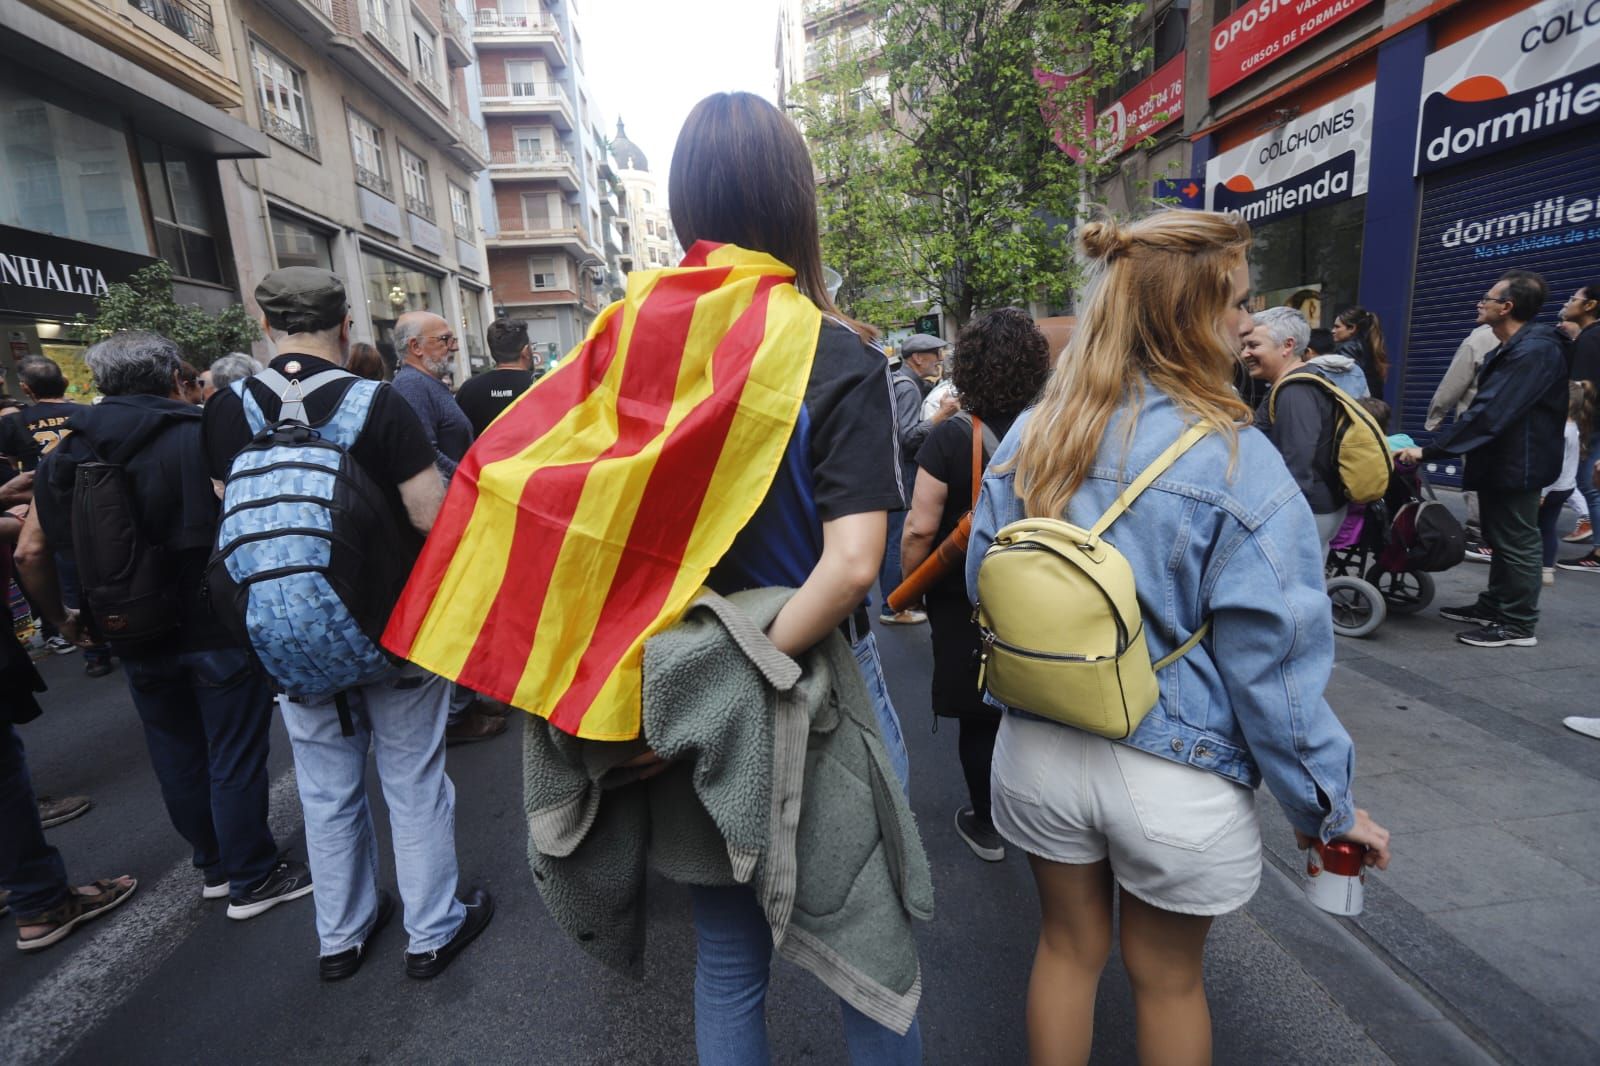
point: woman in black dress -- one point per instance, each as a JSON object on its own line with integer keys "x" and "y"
{"x": 1001, "y": 361}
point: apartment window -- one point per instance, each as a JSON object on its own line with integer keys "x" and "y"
{"x": 515, "y": 12}
{"x": 378, "y": 20}
{"x": 425, "y": 49}
{"x": 647, "y": 197}
{"x": 296, "y": 244}
{"x": 414, "y": 181}
{"x": 180, "y": 209}
{"x": 523, "y": 77}
{"x": 541, "y": 272}
{"x": 535, "y": 210}
{"x": 530, "y": 143}
{"x": 460, "y": 210}
{"x": 366, "y": 144}
{"x": 281, "y": 88}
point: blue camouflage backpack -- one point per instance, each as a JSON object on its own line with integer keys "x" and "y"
{"x": 309, "y": 561}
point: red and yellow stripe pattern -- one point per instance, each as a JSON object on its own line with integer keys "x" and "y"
{"x": 586, "y": 518}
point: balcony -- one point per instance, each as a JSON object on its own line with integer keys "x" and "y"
{"x": 289, "y": 132}
{"x": 304, "y": 16}
{"x": 419, "y": 206}
{"x": 529, "y": 165}
{"x": 495, "y": 29}
{"x": 545, "y": 99}
{"x": 568, "y": 235}
{"x": 429, "y": 80}
{"x": 612, "y": 237}
{"x": 457, "y": 36}
{"x": 376, "y": 182}
{"x": 382, "y": 33}
{"x": 471, "y": 147}
{"x": 189, "y": 19}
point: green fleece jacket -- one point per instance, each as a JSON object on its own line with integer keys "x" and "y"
{"x": 779, "y": 780}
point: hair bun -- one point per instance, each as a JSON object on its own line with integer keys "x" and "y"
{"x": 1103, "y": 239}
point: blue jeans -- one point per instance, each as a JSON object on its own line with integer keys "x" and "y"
{"x": 1586, "y": 479}
{"x": 401, "y": 721}
{"x": 889, "y": 573}
{"x": 206, "y": 716}
{"x": 30, "y": 869}
{"x": 733, "y": 962}
{"x": 72, "y": 596}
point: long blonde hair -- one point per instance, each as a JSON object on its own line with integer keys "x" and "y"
{"x": 1153, "y": 309}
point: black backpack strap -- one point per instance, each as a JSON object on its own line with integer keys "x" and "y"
{"x": 341, "y": 701}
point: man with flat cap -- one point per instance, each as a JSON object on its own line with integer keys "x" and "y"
{"x": 401, "y": 718}
{"x": 921, "y": 357}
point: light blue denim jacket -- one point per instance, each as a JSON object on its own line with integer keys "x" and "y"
{"x": 1241, "y": 550}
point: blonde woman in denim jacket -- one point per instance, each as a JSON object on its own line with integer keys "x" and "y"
{"x": 1164, "y": 823}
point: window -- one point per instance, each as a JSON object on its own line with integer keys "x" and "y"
{"x": 414, "y": 180}
{"x": 647, "y": 197}
{"x": 530, "y": 143}
{"x": 366, "y": 144}
{"x": 460, "y": 210}
{"x": 515, "y": 13}
{"x": 296, "y": 244}
{"x": 541, "y": 272}
{"x": 180, "y": 209}
{"x": 377, "y": 18}
{"x": 535, "y": 210}
{"x": 395, "y": 288}
{"x": 523, "y": 77}
{"x": 425, "y": 49}
{"x": 281, "y": 88}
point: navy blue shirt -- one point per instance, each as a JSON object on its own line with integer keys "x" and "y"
{"x": 442, "y": 420}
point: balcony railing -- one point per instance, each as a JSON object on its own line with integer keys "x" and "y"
{"x": 533, "y": 92}
{"x": 189, "y": 19}
{"x": 455, "y": 28}
{"x": 471, "y": 134}
{"x": 376, "y": 182}
{"x": 418, "y": 206}
{"x": 533, "y": 160}
{"x": 492, "y": 21}
{"x": 288, "y": 131}
{"x": 466, "y": 232}
{"x": 430, "y": 81}
{"x": 379, "y": 31}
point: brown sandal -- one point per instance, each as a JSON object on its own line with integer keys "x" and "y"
{"x": 77, "y": 908}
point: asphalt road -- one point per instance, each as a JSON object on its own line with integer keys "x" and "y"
{"x": 170, "y": 979}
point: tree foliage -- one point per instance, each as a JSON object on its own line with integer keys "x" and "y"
{"x": 145, "y": 301}
{"x": 938, "y": 174}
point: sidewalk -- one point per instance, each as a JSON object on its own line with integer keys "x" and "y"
{"x": 1492, "y": 904}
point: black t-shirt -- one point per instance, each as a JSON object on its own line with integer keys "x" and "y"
{"x": 841, "y": 460}
{"x": 158, "y": 443}
{"x": 392, "y": 448}
{"x": 947, "y": 455}
{"x": 1586, "y": 355}
{"x": 34, "y": 431}
{"x": 482, "y": 398}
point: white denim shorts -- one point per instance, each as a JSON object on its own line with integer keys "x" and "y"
{"x": 1179, "y": 838}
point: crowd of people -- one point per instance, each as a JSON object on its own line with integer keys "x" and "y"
{"x": 233, "y": 523}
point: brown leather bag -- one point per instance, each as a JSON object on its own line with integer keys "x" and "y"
{"x": 952, "y": 551}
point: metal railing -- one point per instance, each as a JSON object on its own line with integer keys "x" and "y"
{"x": 381, "y": 33}
{"x": 537, "y": 160}
{"x": 418, "y": 206}
{"x": 533, "y": 92}
{"x": 189, "y": 19}
{"x": 288, "y": 131}
{"x": 493, "y": 21}
{"x": 471, "y": 133}
{"x": 455, "y": 24}
{"x": 376, "y": 182}
{"x": 429, "y": 81}
{"x": 559, "y": 229}
{"x": 466, "y": 233}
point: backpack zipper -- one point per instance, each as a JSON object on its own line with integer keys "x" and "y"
{"x": 989, "y": 642}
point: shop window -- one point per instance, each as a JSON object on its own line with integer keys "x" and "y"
{"x": 294, "y": 243}
{"x": 1310, "y": 261}
{"x": 179, "y": 186}
{"x": 393, "y": 288}
{"x": 281, "y": 88}
{"x": 67, "y": 174}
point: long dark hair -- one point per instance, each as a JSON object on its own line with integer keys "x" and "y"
{"x": 1370, "y": 332}
{"x": 741, "y": 174}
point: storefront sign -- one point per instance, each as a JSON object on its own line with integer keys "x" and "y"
{"x": 1259, "y": 34}
{"x": 1316, "y": 159}
{"x": 1526, "y": 77}
{"x": 425, "y": 235}
{"x": 1149, "y": 106}
{"x": 377, "y": 211}
{"x": 43, "y": 276}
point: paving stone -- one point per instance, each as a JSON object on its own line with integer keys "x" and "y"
{"x": 1475, "y": 866}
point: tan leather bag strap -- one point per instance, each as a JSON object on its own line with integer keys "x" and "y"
{"x": 1189, "y": 439}
{"x": 977, "y": 460}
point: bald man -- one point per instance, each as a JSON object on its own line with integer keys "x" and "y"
{"x": 427, "y": 349}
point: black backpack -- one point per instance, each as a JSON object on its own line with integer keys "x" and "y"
{"x": 128, "y": 584}
{"x": 1432, "y": 536}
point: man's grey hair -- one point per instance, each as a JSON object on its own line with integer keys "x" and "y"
{"x": 405, "y": 331}
{"x": 1285, "y": 324}
{"x": 235, "y": 366}
{"x": 134, "y": 362}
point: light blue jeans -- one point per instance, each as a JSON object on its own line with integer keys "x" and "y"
{"x": 733, "y": 963}
{"x": 401, "y": 721}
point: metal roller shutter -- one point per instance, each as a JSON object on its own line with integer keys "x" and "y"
{"x": 1515, "y": 206}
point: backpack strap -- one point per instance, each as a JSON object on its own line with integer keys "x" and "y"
{"x": 1162, "y": 463}
{"x": 292, "y": 392}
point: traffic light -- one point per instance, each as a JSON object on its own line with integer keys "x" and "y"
{"x": 928, "y": 324}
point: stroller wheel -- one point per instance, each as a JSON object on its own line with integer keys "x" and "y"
{"x": 1406, "y": 592}
{"x": 1358, "y": 607}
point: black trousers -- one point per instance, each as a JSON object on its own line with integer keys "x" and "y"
{"x": 976, "y": 746}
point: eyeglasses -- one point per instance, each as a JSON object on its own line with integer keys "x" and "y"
{"x": 1493, "y": 299}
{"x": 447, "y": 338}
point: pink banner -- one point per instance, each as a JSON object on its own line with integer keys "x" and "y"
{"x": 1259, "y": 34}
{"x": 1149, "y": 106}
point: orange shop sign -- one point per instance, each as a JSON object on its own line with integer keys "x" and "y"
{"x": 1261, "y": 33}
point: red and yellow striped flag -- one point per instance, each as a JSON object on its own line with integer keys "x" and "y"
{"x": 586, "y": 518}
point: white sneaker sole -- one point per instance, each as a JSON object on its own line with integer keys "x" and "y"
{"x": 240, "y": 912}
{"x": 1589, "y": 727}
{"x": 986, "y": 854}
{"x": 214, "y": 891}
{"x": 1509, "y": 642}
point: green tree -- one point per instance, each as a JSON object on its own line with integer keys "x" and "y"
{"x": 145, "y": 301}
{"x": 938, "y": 172}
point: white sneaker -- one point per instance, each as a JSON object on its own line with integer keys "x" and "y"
{"x": 1549, "y": 577}
{"x": 908, "y": 617}
{"x": 1589, "y": 727}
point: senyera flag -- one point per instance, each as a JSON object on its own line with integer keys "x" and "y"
{"x": 587, "y": 516}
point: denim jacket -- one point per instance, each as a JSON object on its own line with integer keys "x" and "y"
{"x": 1238, "y": 547}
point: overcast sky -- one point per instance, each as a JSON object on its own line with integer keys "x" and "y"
{"x": 650, "y": 61}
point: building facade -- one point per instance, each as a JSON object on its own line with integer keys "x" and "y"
{"x": 373, "y": 163}
{"x": 113, "y": 118}
{"x": 646, "y": 218}
{"x": 544, "y": 211}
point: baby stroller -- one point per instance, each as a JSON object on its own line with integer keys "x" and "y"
{"x": 1385, "y": 555}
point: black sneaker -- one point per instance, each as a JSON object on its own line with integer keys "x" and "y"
{"x": 480, "y": 908}
{"x": 1589, "y": 564}
{"x": 288, "y": 880}
{"x": 1471, "y": 614}
{"x": 1498, "y": 635}
{"x": 980, "y": 836}
{"x": 346, "y": 963}
{"x": 1479, "y": 553}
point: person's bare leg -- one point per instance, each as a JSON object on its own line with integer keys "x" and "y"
{"x": 1074, "y": 942}
{"x": 1164, "y": 954}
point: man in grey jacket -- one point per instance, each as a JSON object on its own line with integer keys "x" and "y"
{"x": 921, "y": 355}
{"x": 1453, "y": 396}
